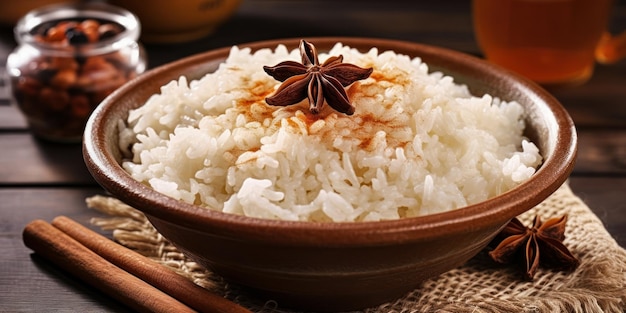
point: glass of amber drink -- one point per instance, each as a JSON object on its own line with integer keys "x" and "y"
{"x": 552, "y": 42}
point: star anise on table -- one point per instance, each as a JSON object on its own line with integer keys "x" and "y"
{"x": 543, "y": 242}
{"x": 316, "y": 82}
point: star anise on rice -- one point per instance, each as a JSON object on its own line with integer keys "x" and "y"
{"x": 541, "y": 242}
{"x": 316, "y": 82}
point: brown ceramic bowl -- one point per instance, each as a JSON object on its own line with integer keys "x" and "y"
{"x": 336, "y": 266}
{"x": 166, "y": 21}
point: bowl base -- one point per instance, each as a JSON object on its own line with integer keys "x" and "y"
{"x": 342, "y": 303}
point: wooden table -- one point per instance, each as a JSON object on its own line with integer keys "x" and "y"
{"x": 41, "y": 180}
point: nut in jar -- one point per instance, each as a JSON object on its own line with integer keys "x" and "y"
{"x": 68, "y": 59}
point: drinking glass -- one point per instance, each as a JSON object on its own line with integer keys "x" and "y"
{"x": 553, "y": 42}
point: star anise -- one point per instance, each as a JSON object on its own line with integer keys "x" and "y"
{"x": 541, "y": 242}
{"x": 315, "y": 81}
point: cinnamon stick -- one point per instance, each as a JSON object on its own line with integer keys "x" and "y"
{"x": 150, "y": 271}
{"x": 75, "y": 258}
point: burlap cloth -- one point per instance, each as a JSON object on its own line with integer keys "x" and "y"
{"x": 597, "y": 285}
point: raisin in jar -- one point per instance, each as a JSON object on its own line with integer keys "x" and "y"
{"x": 68, "y": 59}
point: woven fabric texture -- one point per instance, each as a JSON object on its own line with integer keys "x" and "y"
{"x": 597, "y": 285}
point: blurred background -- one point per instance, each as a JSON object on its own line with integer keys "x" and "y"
{"x": 39, "y": 179}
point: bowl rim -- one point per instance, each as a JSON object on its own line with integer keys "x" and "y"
{"x": 553, "y": 172}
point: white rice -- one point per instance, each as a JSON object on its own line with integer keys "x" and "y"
{"x": 417, "y": 144}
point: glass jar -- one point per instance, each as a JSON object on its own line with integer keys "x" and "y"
{"x": 68, "y": 59}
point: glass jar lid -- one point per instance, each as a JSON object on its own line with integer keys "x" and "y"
{"x": 28, "y": 26}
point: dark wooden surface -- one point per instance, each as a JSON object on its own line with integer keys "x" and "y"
{"x": 41, "y": 180}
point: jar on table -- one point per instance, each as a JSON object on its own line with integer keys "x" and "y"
{"x": 68, "y": 59}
